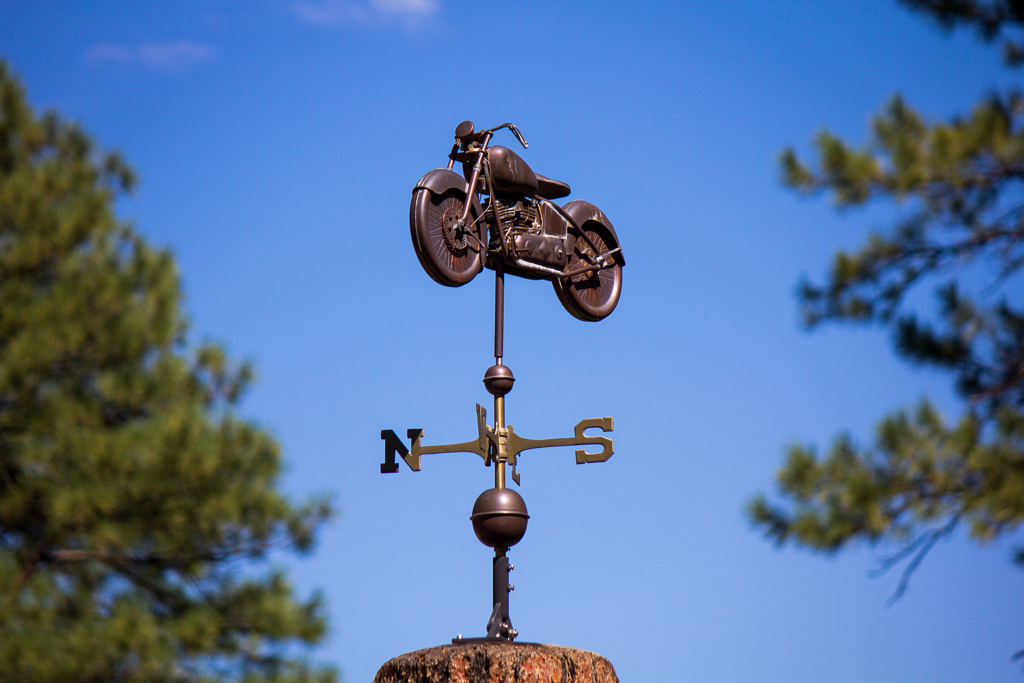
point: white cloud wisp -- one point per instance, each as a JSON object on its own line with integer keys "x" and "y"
{"x": 409, "y": 13}
{"x": 173, "y": 56}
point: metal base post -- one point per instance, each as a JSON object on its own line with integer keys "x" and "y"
{"x": 499, "y": 626}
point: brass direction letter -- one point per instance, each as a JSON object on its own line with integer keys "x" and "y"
{"x": 393, "y": 444}
{"x": 607, "y": 448}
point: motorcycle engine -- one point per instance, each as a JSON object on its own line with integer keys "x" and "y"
{"x": 519, "y": 217}
{"x": 524, "y": 234}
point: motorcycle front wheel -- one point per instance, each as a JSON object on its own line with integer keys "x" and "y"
{"x": 451, "y": 256}
{"x": 590, "y": 296}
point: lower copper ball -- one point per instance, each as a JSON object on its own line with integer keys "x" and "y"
{"x": 499, "y": 518}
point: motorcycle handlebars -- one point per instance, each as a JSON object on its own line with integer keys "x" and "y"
{"x": 464, "y": 132}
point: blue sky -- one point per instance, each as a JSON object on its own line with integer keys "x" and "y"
{"x": 277, "y": 143}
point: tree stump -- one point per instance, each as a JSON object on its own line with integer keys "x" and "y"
{"x": 497, "y": 663}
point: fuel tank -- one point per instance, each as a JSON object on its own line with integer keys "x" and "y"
{"x": 509, "y": 173}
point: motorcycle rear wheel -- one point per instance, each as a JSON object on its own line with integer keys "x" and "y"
{"x": 590, "y": 296}
{"x": 451, "y": 257}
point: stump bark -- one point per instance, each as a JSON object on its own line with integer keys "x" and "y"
{"x": 497, "y": 663}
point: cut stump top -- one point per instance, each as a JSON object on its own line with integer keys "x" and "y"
{"x": 497, "y": 663}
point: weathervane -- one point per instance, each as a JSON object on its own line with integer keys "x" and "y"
{"x": 517, "y": 229}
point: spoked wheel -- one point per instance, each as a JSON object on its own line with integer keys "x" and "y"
{"x": 451, "y": 255}
{"x": 590, "y": 296}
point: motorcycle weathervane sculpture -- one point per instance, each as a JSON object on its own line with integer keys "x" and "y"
{"x": 500, "y": 215}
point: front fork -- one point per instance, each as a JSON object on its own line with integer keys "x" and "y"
{"x": 474, "y": 177}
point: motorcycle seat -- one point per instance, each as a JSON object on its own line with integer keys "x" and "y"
{"x": 551, "y": 189}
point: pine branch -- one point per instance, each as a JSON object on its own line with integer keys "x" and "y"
{"x": 919, "y": 548}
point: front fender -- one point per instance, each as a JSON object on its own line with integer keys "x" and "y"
{"x": 440, "y": 180}
{"x": 581, "y": 212}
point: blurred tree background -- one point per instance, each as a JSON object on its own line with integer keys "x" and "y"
{"x": 959, "y": 185}
{"x": 137, "y": 510}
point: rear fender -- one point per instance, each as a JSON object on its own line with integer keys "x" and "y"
{"x": 581, "y": 212}
{"x": 440, "y": 180}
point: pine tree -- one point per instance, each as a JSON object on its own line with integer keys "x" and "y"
{"x": 959, "y": 185}
{"x": 137, "y": 510}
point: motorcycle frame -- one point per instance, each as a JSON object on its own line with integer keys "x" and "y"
{"x": 480, "y": 167}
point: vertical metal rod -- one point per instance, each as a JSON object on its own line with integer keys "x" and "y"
{"x": 499, "y": 427}
{"x": 500, "y": 584}
{"x": 499, "y": 310}
{"x": 499, "y": 339}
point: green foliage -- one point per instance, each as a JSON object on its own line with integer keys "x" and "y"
{"x": 135, "y": 506}
{"x": 916, "y": 484}
{"x": 960, "y": 186}
{"x": 961, "y": 179}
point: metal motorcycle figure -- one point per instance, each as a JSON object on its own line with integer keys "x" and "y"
{"x": 500, "y": 214}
